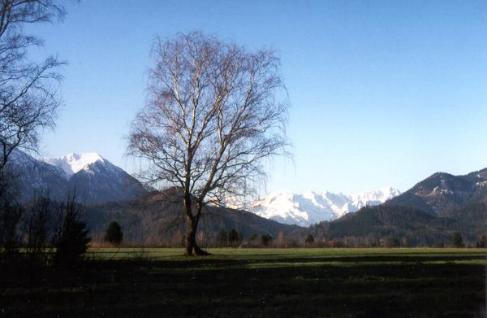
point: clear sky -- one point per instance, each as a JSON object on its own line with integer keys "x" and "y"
{"x": 382, "y": 92}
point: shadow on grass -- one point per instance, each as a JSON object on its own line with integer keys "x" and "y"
{"x": 330, "y": 286}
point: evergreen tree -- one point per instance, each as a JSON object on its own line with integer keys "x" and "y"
{"x": 72, "y": 237}
{"x": 222, "y": 238}
{"x": 309, "y": 239}
{"x": 114, "y": 234}
{"x": 457, "y": 240}
{"x": 234, "y": 237}
{"x": 266, "y": 239}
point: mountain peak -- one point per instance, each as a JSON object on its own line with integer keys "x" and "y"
{"x": 75, "y": 162}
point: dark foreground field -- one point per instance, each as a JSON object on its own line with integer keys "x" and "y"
{"x": 254, "y": 283}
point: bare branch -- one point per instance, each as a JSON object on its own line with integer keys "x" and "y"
{"x": 28, "y": 90}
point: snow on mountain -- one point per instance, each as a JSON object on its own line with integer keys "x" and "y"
{"x": 34, "y": 177}
{"x": 312, "y": 207}
{"x": 73, "y": 163}
{"x": 94, "y": 179}
{"x": 374, "y": 197}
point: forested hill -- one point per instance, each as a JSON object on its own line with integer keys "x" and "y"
{"x": 427, "y": 214}
{"x": 443, "y": 193}
{"x": 158, "y": 219}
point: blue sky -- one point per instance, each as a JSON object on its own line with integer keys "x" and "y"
{"x": 382, "y": 92}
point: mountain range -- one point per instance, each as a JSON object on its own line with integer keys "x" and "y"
{"x": 425, "y": 215}
{"x": 156, "y": 218}
{"x": 308, "y": 208}
{"x": 95, "y": 180}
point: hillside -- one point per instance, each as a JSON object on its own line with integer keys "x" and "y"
{"x": 442, "y": 193}
{"x": 427, "y": 214}
{"x": 157, "y": 218}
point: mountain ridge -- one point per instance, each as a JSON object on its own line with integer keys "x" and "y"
{"x": 442, "y": 192}
{"x": 428, "y": 214}
{"x": 90, "y": 176}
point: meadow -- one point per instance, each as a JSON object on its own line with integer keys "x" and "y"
{"x": 311, "y": 282}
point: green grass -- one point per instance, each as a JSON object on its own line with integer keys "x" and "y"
{"x": 246, "y": 253}
{"x": 136, "y": 282}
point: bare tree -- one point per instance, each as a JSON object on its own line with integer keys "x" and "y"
{"x": 28, "y": 89}
{"x": 212, "y": 115}
{"x": 40, "y": 224}
{"x": 10, "y": 216}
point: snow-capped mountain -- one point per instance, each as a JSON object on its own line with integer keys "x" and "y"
{"x": 94, "y": 179}
{"x": 312, "y": 207}
{"x": 73, "y": 162}
{"x": 34, "y": 177}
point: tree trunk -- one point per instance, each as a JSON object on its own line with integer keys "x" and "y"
{"x": 190, "y": 236}
{"x": 192, "y": 247}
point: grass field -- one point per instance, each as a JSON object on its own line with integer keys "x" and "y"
{"x": 153, "y": 282}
